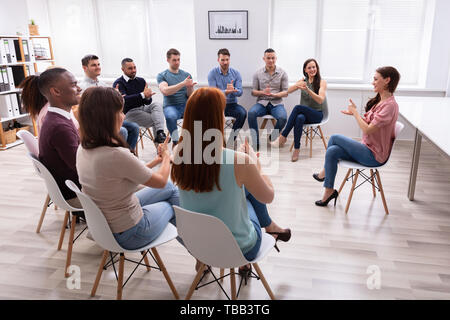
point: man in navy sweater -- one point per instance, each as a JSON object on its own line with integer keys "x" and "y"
{"x": 138, "y": 106}
{"x": 58, "y": 138}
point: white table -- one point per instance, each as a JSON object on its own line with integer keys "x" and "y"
{"x": 430, "y": 116}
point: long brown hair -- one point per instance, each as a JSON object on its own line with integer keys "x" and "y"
{"x": 385, "y": 72}
{"x": 317, "y": 77}
{"x": 206, "y": 105}
{"x": 98, "y": 111}
{"x": 32, "y": 98}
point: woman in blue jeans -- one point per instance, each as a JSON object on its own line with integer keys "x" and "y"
{"x": 110, "y": 174}
{"x": 313, "y": 100}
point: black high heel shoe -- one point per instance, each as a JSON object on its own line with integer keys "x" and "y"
{"x": 334, "y": 196}
{"x": 316, "y": 176}
{"x": 282, "y": 236}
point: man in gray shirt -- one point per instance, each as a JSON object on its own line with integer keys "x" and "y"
{"x": 270, "y": 85}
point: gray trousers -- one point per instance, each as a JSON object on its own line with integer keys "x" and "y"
{"x": 147, "y": 116}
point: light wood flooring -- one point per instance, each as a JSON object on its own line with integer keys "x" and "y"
{"x": 327, "y": 257}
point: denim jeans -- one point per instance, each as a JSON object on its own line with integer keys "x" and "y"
{"x": 301, "y": 115}
{"x": 343, "y": 148}
{"x": 158, "y": 212}
{"x": 258, "y": 110}
{"x": 259, "y": 216}
{"x": 133, "y": 133}
{"x": 172, "y": 114}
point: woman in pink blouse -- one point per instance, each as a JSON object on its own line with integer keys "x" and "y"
{"x": 378, "y": 127}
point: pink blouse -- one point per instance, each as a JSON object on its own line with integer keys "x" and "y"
{"x": 383, "y": 116}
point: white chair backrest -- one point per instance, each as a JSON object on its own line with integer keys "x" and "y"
{"x": 30, "y": 141}
{"x": 96, "y": 221}
{"x": 325, "y": 113}
{"x": 398, "y": 128}
{"x": 52, "y": 186}
{"x": 208, "y": 239}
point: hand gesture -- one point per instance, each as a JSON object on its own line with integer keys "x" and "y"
{"x": 351, "y": 108}
{"x": 301, "y": 84}
{"x": 230, "y": 88}
{"x": 117, "y": 89}
{"x": 267, "y": 91}
{"x": 247, "y": 148}
{"x": 148, "y": 91}
{"x": 163, "y": 150}
{"x": 189, "y": 83}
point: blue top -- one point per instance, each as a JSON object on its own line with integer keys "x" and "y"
{"x": 179, "y": 97}
{"x": 219, "y": 80}
{"x": 229, "y": 205}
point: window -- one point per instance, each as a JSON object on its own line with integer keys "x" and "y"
{"x": 115, "y": 29}
{"x": 351, "y": 38}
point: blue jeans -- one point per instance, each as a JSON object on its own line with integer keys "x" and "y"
{"x": 301, "y": 115}
{"x": 239, "y": 113}
{"x": 258, "y": 110}
{"x": 342, "y": 148}
{"x": 172, "y": 114}
{"x": 158, "y": 212}
{"x": 259, "y": 216}
{"x": 132, "y": 129}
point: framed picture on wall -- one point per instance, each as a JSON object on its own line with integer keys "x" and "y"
{"x": 229, "y": 24}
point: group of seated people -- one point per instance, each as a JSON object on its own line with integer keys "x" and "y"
{"x": 97, "y": 157}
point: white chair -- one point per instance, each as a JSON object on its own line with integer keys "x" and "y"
{"x": 266, "y": 118}
{"x": 314, "y": 129}
{"x": 31, "y": 143}
{"x": 57, "y": 198}
{"x": 102, "y": 235}
{"x": 374, "y": 177}
{"x": 210, "y": 241}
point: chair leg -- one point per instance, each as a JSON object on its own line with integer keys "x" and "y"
{"x": 292, "y": 146}
{"x": 136, "y": 150}
{"x": 150, "y": 134}
{"x": 274, "y": 122}
{"x": 373, "y": 183}
{"x": 120, "y": 279}
{"x": 310, "y": 142}
{"x": 344, "y": 181}
{"x": 381, "y": 191}
{"x": 233, "y": 284}
{"x": 195, "y": 282}
{"x": 355, "y": 178}
{"x": 222, "y": 273}
{"x": 263, "y": 124}
{"x": 147, "y": 263}
{"x": 306, "y": 137}
{"x": 70, "y": 244}
{"x": 323, "y": 138}
{"x": 63, "y": 230}
{"x": 99, "y": 273}
{"x": 44, "y": 210}
{"x": 141, "y": 137}
{"x": 263, "y": 279}
{"x": 166, "y": 275}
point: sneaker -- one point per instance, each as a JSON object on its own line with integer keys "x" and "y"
{"x": 161, "y": 137}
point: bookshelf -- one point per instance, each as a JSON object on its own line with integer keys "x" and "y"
{"x": 30, "y": 52}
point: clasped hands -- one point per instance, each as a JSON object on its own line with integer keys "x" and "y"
{"x": 230, "y": 88}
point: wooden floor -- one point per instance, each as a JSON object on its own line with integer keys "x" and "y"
{"x": 327, "y": 258}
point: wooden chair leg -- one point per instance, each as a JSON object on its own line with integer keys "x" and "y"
{"x": 120, "y": 279}
{"x": 166, "y": 275}
{"x": 355, "y": 178}
{"x": 373, "y": 183}
{"x": 310, "y": 142}
{"x": 233, "y": 284}
{"x": 44, "y": 210}
{"x": 63, "y": 230}
{"x": 147, "y": 263}
{"x": 323, "y": 138}
{"x": 344, "y": 181}
{"x": 306, "y": 137}
{"x": 222, "y": 273}
{"x": 292, "y": 146}
{"x": 141, "y": 137}
{"x": 195, "y": 282}
{"x": 263, "y": 124}
{"x": 381, "y": 191}
{"x": 263, "y": 280}
{"x": 99, "y": 273}
{"x": 70, "y": 244}
{"x": 274, "y": 122}
{"x": 150, "y": 134}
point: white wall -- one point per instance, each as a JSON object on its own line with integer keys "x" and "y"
{"x": 13, "y": 17}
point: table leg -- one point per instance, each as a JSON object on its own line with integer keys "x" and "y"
{"x": 414, "y": 165}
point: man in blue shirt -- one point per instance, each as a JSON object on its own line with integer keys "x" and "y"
{"x": 176, "y": 85}
{"x": 229, "y": 81}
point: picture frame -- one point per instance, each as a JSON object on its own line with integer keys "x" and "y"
{"x": 228, "y": 25}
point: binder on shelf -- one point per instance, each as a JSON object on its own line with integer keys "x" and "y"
{"x": 18, "y": 74}
{"x": 2, "y": 80}
{"x": 10, "y": 78}
{"x": 3, "y": 59}
{"x": 30, "y": 70}
{"x": 8, "y": 45}
{"x": 14, "y": 105}
{"x": 27, "y": 53}
{"x": 5, "y": 79}
{"x": 12, "y": 48}
{"x": 6, "y": 110}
